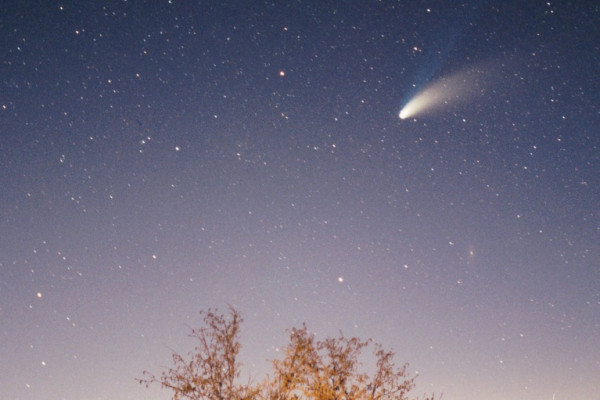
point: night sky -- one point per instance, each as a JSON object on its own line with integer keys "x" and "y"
{"x": 159, "y": 158}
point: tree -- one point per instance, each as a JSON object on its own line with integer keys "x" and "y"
{"x": 212, "y": 369}
{"x": 328, "y": 370}
{"x": 310, "y": 369}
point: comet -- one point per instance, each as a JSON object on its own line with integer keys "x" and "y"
{"x": 443, "y": 92}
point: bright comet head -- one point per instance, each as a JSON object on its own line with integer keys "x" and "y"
{"x": 429, "y": 99}
{"x": 413, "y": 106}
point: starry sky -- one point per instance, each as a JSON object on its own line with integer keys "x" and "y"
{"x": 159, "y": 158}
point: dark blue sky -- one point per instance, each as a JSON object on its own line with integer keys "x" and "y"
{"x": 160, "y": 159}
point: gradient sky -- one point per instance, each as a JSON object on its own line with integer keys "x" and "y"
{"x": 163, "y": 157}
